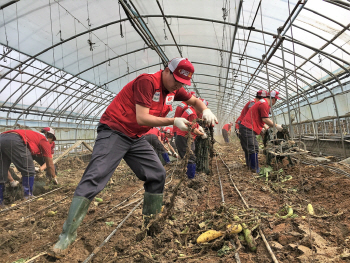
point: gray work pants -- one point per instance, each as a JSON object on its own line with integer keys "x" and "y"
{"x": 110, "y": 147}
{"x": 248, "y": 140}
{"x": 181, "y": 145}
{"x": 13, "y": 150}
{"x": 225, "y": 135}
{"x": 153, "y": 140}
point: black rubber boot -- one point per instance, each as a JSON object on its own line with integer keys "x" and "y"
{"x": 76, "y": 214}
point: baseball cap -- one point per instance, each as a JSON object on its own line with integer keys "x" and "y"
{"x": 49, "y": 130}
{"x": 274, "y": 94}
{"x": 262, "y": 93}
{"x": 182, "y": 70}
{"x": 204, "y": 101}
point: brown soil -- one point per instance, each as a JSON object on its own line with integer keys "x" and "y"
{"x": 198, "y": 207}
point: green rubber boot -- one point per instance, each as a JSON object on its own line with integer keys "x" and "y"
{"x": 152, "y": 205}
{"x": 76, "y": 214}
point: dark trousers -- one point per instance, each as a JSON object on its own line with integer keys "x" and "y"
{"x": 248, "y": 140}
{"x": 13, "y": 150}
{"x": 225, "y": 135}
{"x": 153, "y": 140}
{"x": 181, "y": 145}
{"x": 110, "y": 147}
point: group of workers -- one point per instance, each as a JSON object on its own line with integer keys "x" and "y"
{"x": 254, "y": 120}
{"x": 126, "y": 130}
{"x": 21, "y": 147}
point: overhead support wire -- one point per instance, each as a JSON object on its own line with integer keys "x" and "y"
{"x": 171, "y": 32}
{"x": 140, "y": 26}
{"x": 267, "y": 53}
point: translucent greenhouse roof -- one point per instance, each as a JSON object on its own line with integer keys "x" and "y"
{"x": 64, "y": 61}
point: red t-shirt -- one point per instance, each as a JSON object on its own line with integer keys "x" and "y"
{"x": 245, "y": 110}
{"x": 36, "y": 142}
{"x": 146, "y": 90}
{"x": 190, "y": 115}
{"x": 154, "y": 131}
{"x": 254, "y": 116}
{"x": 164, "y": 138}
{"x": 227, "y": 127}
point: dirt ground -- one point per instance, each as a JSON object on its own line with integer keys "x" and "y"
{"x": 28, "y": 229}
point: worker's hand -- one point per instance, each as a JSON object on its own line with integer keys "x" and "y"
{"x": 176, "y": 155}
{"x": 37, "y": 169}
{"x": 200, "y": 128}
{"x": 204, "y": 136}
{"x": 181, "y": 123}
{"x": 263, "y": 131}
{"x": 169, "y": 152}
{"x": 210, "y": 117}
{"x": 279, "y": 127}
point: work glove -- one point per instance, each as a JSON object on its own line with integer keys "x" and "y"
{"x": 37, "y": 169}
{"x": 204, "y": 136}
{"x": 181, "y": 123}
{"x": 200, "y": 129}
{"x": 279, "y": 127}
{"x": 176, "y": 155}
{"x": 169, "y": 152}
{"x": 263, "y": 131}
{"x": 210, "y": 117}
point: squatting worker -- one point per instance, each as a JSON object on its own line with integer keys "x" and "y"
{"x": 153, "y": 137}
{"x": 259, "y": 95}
{"x": 253, "y": 124}
{"x": 17, "y": 147}
{"x": 131, "y": 114}
{"x": 51, "y": 138}
{"x": 166, "y": 137}
{"x": 226, "y": 131}
{"x": 181, "y": 140}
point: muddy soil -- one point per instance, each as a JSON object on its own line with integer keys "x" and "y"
{"x": 28, "y": 229}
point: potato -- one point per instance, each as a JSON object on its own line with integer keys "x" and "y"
{"x": 208, "y": 236}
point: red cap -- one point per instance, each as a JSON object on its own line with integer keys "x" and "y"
{"x": 182, "y": 70}
{"x": 274, "y": 94}
{"x": 49, "y": 130}
{"x": 262, "y": 93}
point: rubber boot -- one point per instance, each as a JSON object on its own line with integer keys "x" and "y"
{"x": 254, "y": 162}
{"x": 191, "y": 170}
{"x": 166, "y": 158}
{"x": 152, "y": 205}
{"x": 2, "y": 190}
{"x": 27, "y": 183}
{"x": 76, "y": 214}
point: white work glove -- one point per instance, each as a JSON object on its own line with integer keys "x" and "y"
{"x": 181, "y": 123}
{"x": 169, "y": 152}
{"x": 200, "y": 129}
{"x": 37, "y": 169}
{"x": 209, "y": 117}
{"x": 279, "y": 127}
{"x": 263, "y": 131}
{"x": 176, "y": 155}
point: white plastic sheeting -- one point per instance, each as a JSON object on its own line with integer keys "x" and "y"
{"x": 64, "y": 61}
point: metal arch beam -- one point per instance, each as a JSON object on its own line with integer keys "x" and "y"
{"x": 118, "y": 21}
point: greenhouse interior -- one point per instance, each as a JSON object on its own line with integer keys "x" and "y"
{"x": 231, "y": 122}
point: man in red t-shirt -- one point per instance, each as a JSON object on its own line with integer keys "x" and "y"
{"x": 166, "y": 137}
{"x": 181, "y": 141}
{"x": 51, "y": 138}
{"x": 226, "y": 131}
{"x": 18, "y": 147}
{"x": 259, "y": 95}
{"x": 137, "y": 108}
{"x": 254, "y": 123}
